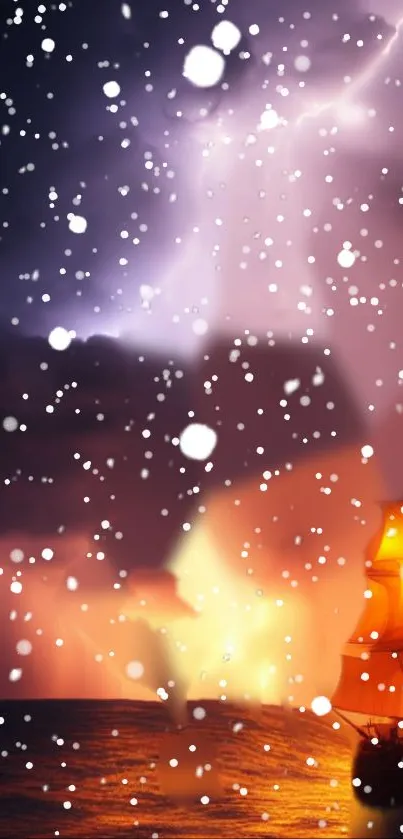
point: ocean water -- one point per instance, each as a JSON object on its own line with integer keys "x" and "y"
{"x": 92, "y": 768}
{"x": 119, "y": 769}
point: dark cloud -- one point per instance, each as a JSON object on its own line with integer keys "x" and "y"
{"x": 104, "y": 396}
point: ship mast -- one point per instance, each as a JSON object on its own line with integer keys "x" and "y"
{"x": 353, "y": 725}
{"x": 371, "y": 681}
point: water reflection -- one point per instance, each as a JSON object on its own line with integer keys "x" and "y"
{"x": 120, "y": 768}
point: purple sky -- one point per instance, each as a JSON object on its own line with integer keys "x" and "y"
{"x": 198, "y": 232}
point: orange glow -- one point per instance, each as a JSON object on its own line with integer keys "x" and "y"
{"x": 388, "y": 544}
{"x": 258, "y": 600}
{"x": 372, "y": 675}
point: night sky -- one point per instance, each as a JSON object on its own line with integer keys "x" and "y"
{"x": 136, "y": 171}
{"x": 228, "y": 255}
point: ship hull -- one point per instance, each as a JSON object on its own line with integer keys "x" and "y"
{"x": 377, "y": 774}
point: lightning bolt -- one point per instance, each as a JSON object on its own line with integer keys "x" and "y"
{"x": 361, "y": 80}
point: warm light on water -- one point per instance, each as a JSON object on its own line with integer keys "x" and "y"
{"x": 284, "y": 775}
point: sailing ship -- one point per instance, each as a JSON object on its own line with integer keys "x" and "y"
{"x": 369, "y": 695}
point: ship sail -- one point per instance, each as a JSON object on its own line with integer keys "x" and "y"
{"x": 371, "y": 681}
{"x": 372, "y": 687}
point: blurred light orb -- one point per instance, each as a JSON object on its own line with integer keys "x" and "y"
{"x": 346, "y": 258}
{"x": 146, "y": 293}
{"x": 24, "y": 647}
{"x": 367, "y": 451}
{"x": 111, "y": 89}
{"x": 10, "y": 424}
{"x": 126, "y": 11}
{"x": 200, "y": 326}
{"x": 15, "y": 674}
{"x": 48, "y": 45}
{"x": 197, "y": 441}
{"x": 134, "y": 670}
{"x": 17, "y": 555}
{"x": 226, "y": 36}
{"x": 269, "y": 120}
{"x": 77, "y": 224}
{"x": 203, "y": 66}
{"x": 302, "y": 63}
{"x": 72, "y": 583}
{"x": 321, "y": 706}
{"x": 59, "y": 338}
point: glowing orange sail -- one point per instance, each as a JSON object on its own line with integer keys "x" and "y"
{"x": 371, "y": 681}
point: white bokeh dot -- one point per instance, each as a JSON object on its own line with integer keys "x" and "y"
{"x": 197, "y": 441}
{"x": 269, "y": 119}
{"x": 302, "y": 63}
{"x": 15, "y": 674}
{"x": 226, "y": 36}
{"x": 321, "y": 706}
{"x": 135, "y": 670}
{"x": 48, "y": 44}
{"x": 77, "y": 224}
{"x": 346, "y": 258}
{"x": 10, "y": 424}
{"x": 111, "y": 89}
{"x": 203, "y": 66}
{"x": 59, "y": 338}
{"x": 16, "y": 555}
{"x": 126, "y": 10}
{"x": 24, "y": 647}
{"x": 200, "y": 326}
{"x": 147, "y": 293}
{"x": 72, "y": 583}
{"x": 367, "y": 451}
